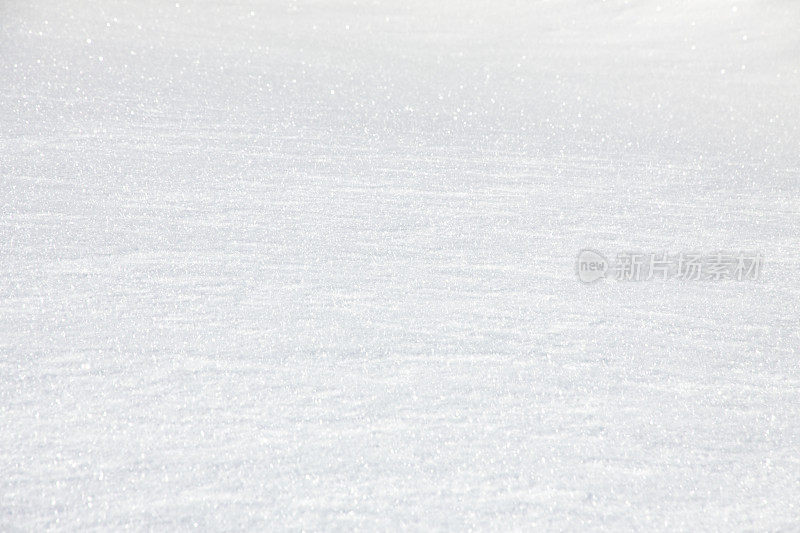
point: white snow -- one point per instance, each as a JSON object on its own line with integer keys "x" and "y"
{"x": 310, "y": 265}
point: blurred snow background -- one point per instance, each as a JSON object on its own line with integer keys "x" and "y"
{"x": 310, "y": 265}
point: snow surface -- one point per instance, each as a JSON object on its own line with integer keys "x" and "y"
{"x": 310, "y": 265}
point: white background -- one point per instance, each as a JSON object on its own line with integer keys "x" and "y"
{"x": 311, "y": 265}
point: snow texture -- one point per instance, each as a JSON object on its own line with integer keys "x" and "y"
{"x": 311, "y": 265}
